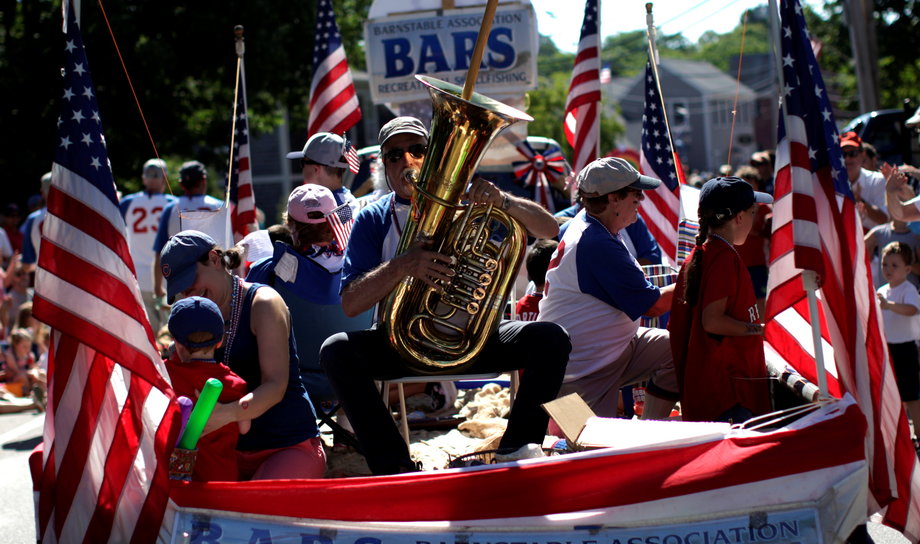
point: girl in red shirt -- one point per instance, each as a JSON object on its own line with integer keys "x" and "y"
{"x": 716, "y": 334}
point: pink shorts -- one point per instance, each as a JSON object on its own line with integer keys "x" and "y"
{"x": 305, "y": 460}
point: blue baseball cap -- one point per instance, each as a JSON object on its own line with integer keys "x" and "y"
{"x": 179, "y": 257}
{"x": 728, "y": 195}
{"x": 195, "y": 315}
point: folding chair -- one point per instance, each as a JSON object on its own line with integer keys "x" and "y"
{"x": 316, "y": 314}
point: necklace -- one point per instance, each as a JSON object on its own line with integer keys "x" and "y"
{"x": 731, "y": 245}
{"x": 395, "y": 218}
{"x": 235, "y": 310}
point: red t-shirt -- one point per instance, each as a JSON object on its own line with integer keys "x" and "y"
{"x": 528, "y": 307}
{"x": 716, "y": 372}
{"x": 216, "y": 459}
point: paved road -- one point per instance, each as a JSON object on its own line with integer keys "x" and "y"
{"x": 19, "y": 433}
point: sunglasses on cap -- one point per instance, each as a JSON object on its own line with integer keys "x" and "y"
{"x": 416, "y": 150}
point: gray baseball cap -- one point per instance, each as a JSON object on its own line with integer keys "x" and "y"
{"x": 323, "y": 148}
{"x": 612, "y": 174}
{"x": 401, "y": 125}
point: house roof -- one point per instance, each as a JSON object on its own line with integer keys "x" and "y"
{"x": 706, "y": 78}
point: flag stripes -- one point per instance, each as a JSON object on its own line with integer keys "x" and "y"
{"x": 112, "y": 416}
{"x": 817, "y": 228}
{"x": 581, "y": 123}
{"x": 661, "y": 207}
{"x": 333, "y": 101}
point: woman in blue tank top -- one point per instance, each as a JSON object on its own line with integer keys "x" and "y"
{"x": 281, "y": 438}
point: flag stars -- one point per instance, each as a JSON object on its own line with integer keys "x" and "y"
{"x": 812, "y": 153}
{"x": 818, "y": 90}
{"x": 68, "y": 94}
{"x": 95, "y": 117}
{"x": 79, "y": 69}
{"x": 77, "y": 116}
{"x": 787, "y": 60}
{"x": 87, "y": 92}
{"x": 65, "y": 142}
{"x": 87, "y": 139}
{"x": 95, "y": 163}
{"x": 70, "y": 46}
{"x": 827, "y": 115}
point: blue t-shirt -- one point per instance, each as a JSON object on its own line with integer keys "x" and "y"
{"x": 374, "y": 236}
{"x": 32, "y": 236}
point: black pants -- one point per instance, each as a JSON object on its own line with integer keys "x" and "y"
{"x": 353, "y": 360}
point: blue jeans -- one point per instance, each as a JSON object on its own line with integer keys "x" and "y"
{"x": 353, "y": 360}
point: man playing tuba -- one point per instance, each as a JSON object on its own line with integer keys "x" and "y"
{"x": 353, "y": 360}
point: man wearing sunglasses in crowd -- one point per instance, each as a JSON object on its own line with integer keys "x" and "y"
{"x": 868, "y": 186}
{"x": 323, "y": 163}
{"x": 353, "y": 360}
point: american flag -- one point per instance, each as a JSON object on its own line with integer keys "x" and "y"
{"x": 351, "y": 157}
{"x": 112, "y": 417}
{"x": 242, "y": 198}
{"x": 816, "y": 227}
{"x": 341, "y": 219}
{"x": 581, "y": 125}
{"x": 333, "y": 102}
{"x": 661, "y": 207}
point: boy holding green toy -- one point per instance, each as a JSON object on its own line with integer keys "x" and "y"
{"x": 197, "y": 327}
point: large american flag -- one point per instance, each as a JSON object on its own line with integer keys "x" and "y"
{"x": 242, "y": 197}
{"x": 581, "y": 125}
{"x": 816, "y": 227}
{"x": 333, "y": 102}
{"x": 112, "y": 417}
{"x": 657, "y": 159}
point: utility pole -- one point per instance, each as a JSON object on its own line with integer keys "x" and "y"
{"x": 865, "y": 51}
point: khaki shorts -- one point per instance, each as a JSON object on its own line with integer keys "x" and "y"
{"x": 648, "y": 357}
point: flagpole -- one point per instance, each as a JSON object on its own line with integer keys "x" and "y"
{"x": 240, "y": 50}
{"x": 653, "y": 61}
{"x": 809, "y": 277}
{"x": 597, "y": 121}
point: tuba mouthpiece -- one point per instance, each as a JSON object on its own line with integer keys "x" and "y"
{"x": 410, "y": 175}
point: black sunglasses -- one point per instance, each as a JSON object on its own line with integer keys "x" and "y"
{"x": 416, "y": 150}
{"x": 851, "y": 154}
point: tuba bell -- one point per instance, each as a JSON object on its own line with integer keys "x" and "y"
{"x": 443, "y": 330}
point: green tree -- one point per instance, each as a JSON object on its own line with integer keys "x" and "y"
{"x": 182, "y": 62}
{"x": 546, "y": 105}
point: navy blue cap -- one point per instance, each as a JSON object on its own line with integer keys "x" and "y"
{"x": 728, "y": 195}
{"x": 179, "y": 257}
{"x": 195, "y": 315}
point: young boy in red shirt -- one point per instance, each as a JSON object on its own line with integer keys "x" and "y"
{"x": 197, "y": 327}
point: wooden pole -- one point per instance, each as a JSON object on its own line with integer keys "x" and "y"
{"x": 484, "y": 29}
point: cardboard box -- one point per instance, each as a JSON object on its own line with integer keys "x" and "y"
{"x": 584, "y": 430}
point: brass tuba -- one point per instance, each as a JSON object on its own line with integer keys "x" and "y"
{"x": 444, "y": 330}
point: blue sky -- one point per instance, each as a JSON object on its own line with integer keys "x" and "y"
{"x": 562, "y": 20}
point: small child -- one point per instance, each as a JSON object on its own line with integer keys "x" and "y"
{"x": 716, "y": 334}
{"x": 900, "y": 306}
{"x": 19, "y": 363}
{"x": 538, "y": 256}
{"x": 197, "y": 327}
